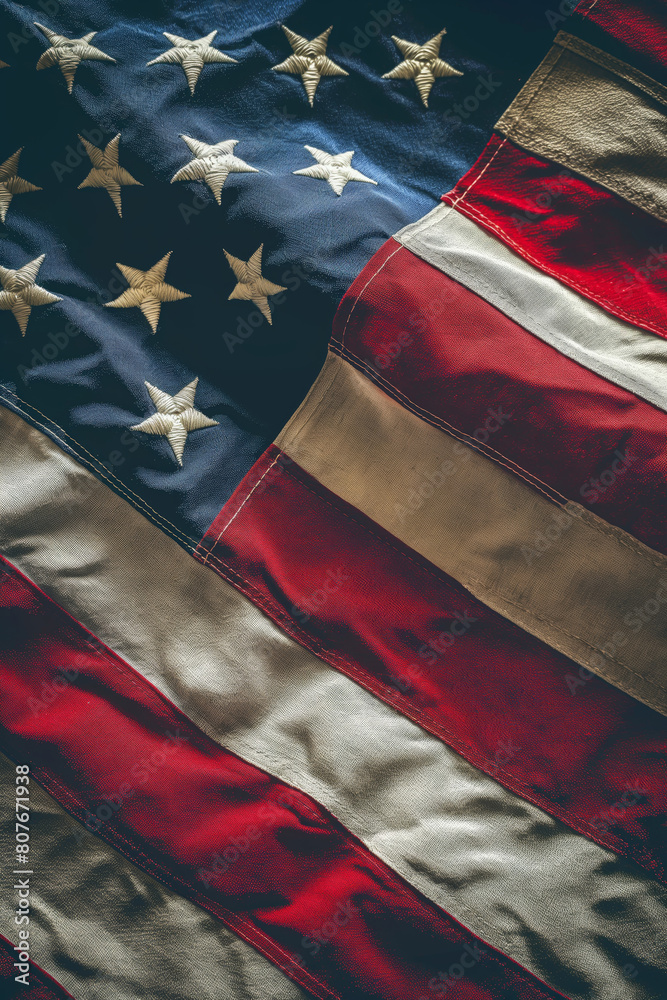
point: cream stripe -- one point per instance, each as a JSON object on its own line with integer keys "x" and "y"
{"x": 631, "y": 358}
{"x": 559, "y": 572}
{"x": 556, "y": 902}
{"x": 598, "y": 116}
{"x": 106, "y": 930}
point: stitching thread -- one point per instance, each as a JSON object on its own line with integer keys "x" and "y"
{"x": 120, "y": 487}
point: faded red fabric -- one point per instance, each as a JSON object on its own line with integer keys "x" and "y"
{"x": 573, "y": 229}
{"x": 339, "y": 584}
{"x": 265, "y": 859}
{"x": 40, "y": 985}
{"x": 460, "y": 363}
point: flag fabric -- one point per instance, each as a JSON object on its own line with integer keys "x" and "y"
{"x": 363, "y": 697}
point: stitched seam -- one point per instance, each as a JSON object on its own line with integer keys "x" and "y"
{"x": 70, "y": 630}
{"x": 300, "y": 429}
{"x": 132, "y": 497}
{"x": 415, "y": 714}
{"x": 300, "y": 975}
{"x": 154, "y": 703}
{"x": 623, "y": 70}
{"x": 572, "y": 635}
{"x": 540, "y": 329}
{"x": 532, "y": 88}
{"x": 272, "y": 764}
{"x": 464, "y": 194}
{"x": 245, "y": 501}
{"x": 478, "y": 214}
{"x": 597, "y": 524}
{"x": 158, "y": 871}
{"x": 488, "y": 588}
{"x": 496, "y": 457}
{"x": 587, "y": 12}
{"x": 526, "y": 134}
{"x": 610, "y": 531}
{"x": 361, "y": 292}
{"x": 467, "y": 191}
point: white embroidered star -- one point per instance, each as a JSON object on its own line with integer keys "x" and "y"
{"x": 20, "y": 293}
{"x": 192, "y": 54}
{"x": 421, "y": 64}
{"x": 309, "y": 60}
{"x": 176, "y": 416}
{"x": 106, "y": 172}
{"x": 147, "y": 290}
{"x": 335, "y": 169}
{"x": 252, "y": 285}
{"x": 212, "y": 164}
{"x": 11, "y": 183}
{"x": 68, "y": 53}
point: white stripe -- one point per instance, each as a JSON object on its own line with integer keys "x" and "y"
{"x": 572, "y": 912}
{"x": 105, "y": 930}
{"x": 627, "y": 356}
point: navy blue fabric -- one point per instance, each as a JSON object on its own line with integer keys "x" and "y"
{"x": 81, "y": 366}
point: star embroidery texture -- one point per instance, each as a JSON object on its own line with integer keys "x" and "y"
{"x": 309, "y": 60}
{"x": 147, "y": 291}
{"x": 192, "y": 55}
{"x": 68, "y": 53}
{"x": 422, "y": 64}
{"x": 20, "y": 293}
{"x": 4, "y": 65}
{"x": 11, "y": 183}
{"x": 106, "y": 172}
{"x": 212, "y": 164}
{"x": 252, "y": 285}
{"x": 336, "y": 169}
{"x": 176, "y": 416}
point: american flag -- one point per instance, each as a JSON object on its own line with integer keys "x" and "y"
{"x": 333, "y": 520}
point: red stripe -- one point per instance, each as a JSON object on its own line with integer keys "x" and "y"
{"x": 575, "y": 748}
{"x": 178, "y": 805}
{"x": 573, "y": 229}
{"x": 635, "y": 32}
{"x": 40, "y": 985}
{"x": 414, "y": 330}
